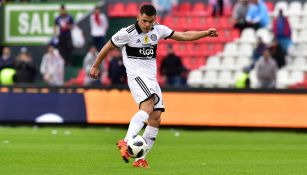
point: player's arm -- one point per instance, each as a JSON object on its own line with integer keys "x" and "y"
{"x": 194, "y": 35}
{"x": 94, "y": 72}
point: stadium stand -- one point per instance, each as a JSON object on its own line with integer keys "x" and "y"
{"x": 236, "y": 55}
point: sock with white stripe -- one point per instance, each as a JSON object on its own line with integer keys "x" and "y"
{"x": 136, "y": 124}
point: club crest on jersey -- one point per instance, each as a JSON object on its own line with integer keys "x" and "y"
{"x": 153, "y": 37}
{"x": 146, "y": 39}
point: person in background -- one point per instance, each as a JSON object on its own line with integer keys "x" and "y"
{"x": 52, "y": 67}
{"x": 6, "y": 59}
{"x": 278, "y": 53}
{"x": 172, "y": 68}
{"x": 281, "y": 30}
{"x": 99, "y": 25}
{"x": 88, "y": 61}
{"x": 266, "y": 69}
{"x": 63, "y": 26}
{"x": 164, "y": 7}
{"x": 117, "y": 70}
{"x": 257, "y": 14}
{"x": 239, "y": 13}
{"x": 217, "y": 7}
{"x": 25, "y": 68}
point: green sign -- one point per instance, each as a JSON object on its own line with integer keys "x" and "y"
{"x": 34, "y": 23}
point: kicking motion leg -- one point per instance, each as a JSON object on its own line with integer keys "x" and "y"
{"x": 150, "y": 134}
{"x": 136, "y": 124}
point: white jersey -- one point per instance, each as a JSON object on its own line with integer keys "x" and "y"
{"x": 139, "y": 48}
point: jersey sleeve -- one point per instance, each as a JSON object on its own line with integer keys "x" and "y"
{"x": 120, "y": 38}
{"x": 165, "y": 32}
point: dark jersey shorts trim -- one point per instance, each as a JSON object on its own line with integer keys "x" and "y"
{"x": 113, "y": 43}
{"x": 159, "y": 109}
{"x": 170, "y": 35}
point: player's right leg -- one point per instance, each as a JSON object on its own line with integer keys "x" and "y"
{"x": 135, "y": 126}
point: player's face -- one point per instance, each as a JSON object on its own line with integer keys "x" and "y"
{"x": 146, "y": 22}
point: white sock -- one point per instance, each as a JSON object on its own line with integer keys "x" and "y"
{"x": 136, "y": 124}
{"x": 150, "y": 135}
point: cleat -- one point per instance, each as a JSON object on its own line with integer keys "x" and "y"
{"x": 122, "y": 146}
{"x": 140, "y": 163}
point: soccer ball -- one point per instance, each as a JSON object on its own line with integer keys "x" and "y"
{"x": 137, "y": 146}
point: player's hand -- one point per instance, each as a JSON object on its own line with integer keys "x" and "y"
{"x": 94, "y": 72}
{"x": 212, "y": 32}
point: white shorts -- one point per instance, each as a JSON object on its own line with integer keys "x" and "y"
{"x": 143, "y": 88}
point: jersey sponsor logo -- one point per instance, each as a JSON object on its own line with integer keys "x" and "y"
{"x": 138, "y": 41}
{"x": 116, "y": 38}
{"x": 147, "y": 51}
{"x": 144, "y": 53}
{"x": 153, "y": 37}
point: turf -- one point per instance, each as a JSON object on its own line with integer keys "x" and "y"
{"x": 73, "y": 150}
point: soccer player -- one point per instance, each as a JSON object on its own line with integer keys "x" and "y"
{"x": 138, "y": 43}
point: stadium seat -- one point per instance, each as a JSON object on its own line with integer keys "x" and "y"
{"x": 225, "y": 79}
{"x": 213, "y": 63}
{"x": 117, "y": 9}
{"x": 282, "y": 79}
{"x": 198, "y": 23}
{"x": 230, "y": 49}
{"x": 304, "y": 11}
{"x": 248, "y": 35}
{"x": 228, "y": 63}
{"x": 199, "y": 9}
{"x": 132, "y": 9}
{"x": 245, "y": 49}
{"x": 210, "y": 78}
{"x": 195, "y": 78}
{"x": 302, "y": 36}
{"x": 295, "y": 22}
{"x": 296, "y": 77}
{"x": 265, "y": 34}
{"x": 242, "y": 62}
{"x": 295, "y": 8}
{"x": 270, "y": 6}
{"x": 299, "y": 63}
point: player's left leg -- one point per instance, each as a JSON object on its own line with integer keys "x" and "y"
{"x": 150, "y": 134}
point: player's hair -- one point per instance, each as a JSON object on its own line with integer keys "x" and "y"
{"x": 148, "y": 9}
{"x": 62, "y": 7}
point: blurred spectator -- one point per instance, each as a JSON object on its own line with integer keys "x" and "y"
{"x": 282, "y": 30}
{"x": 257, "y": 14}
{"x": 217, "y": 7}
{"x": 243, "y": 81}
{"x": 6, "y": 60}
{"x": 259, "y": 49}
{"x": 164, "y": 7}
{"x": 266, "y": 69}
{"x": 257, "y": 53}
{"x": 25, "y": 68}
{"x": 52, "y": 67}
{"x": 239, "y": 13}
{"x": 64, "y": 22}
{"x": 87, "y": 64}
{"x": 117, "y": 70}
{"x": 172, "y": 69}
{"x": 278, "y": 53}
{"x": 99, "y": 26}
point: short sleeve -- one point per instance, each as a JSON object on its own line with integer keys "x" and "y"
{"x": 165, "y": 32}
{"x": 120, "y": 38}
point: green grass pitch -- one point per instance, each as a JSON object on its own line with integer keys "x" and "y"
{"x": 91, "y": 151}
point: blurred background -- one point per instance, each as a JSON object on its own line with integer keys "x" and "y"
{"x": 252, "y": 75}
